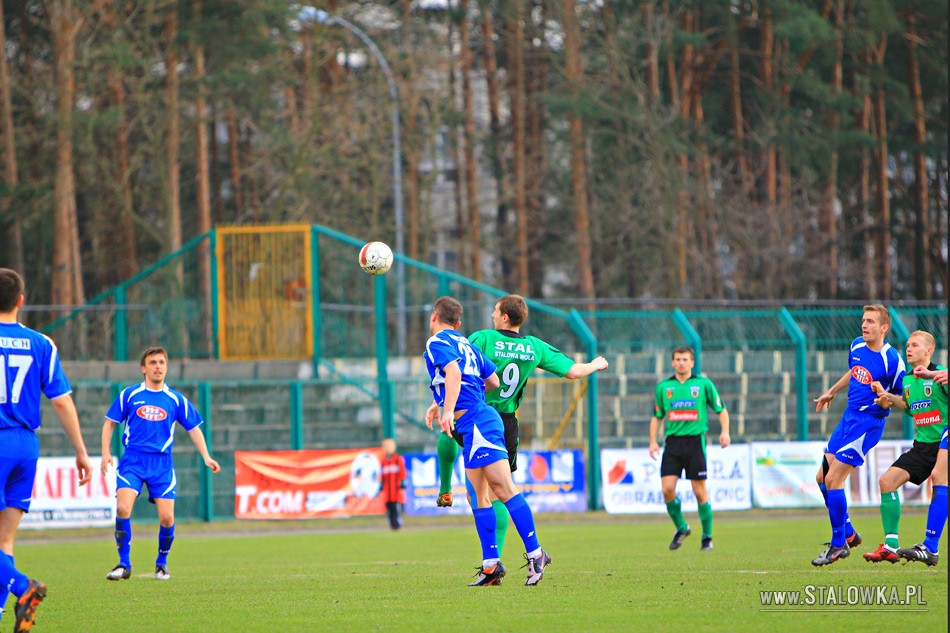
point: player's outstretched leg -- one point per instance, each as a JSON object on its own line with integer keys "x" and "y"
{"x": 27, "y": 604}
{"x": 448, "y": 450}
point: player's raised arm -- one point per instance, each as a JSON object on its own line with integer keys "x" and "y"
{"x": 579, "y": 370}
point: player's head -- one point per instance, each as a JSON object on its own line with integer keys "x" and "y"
{"x": 11, "y": 290}
{"x": 447, "y": 312}
{"x": 389, "y": 446}
{"x": 683, "y": 360}
{"x": 920, "y": 348}
{"x": 875, "y": 323}
{"x": 510, "y": 312}
{"x": 154, "y": 364}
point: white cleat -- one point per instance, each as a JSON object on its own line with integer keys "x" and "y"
{"x": 161, "y": 573}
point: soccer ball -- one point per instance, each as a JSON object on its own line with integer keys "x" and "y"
{"x": 376, "y": 258}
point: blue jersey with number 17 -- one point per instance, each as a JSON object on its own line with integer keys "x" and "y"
{"x": 29, "y": 366}
{"x": 449, "y": 346}
{"x": 150, "y": 417}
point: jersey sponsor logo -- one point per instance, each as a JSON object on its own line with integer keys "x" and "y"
{"x": 927, "y": 419}
{"x": 14, "y": 343}
{"x": 669, "y": 394}
{"x": 861, "y": 374}
{"x": 682, "y": 404}
{"x": 920, "y": 405}
{"x": 694, "y": 391}
{"x": 691, "y": 415}
{"x": 928, "y": 390}
{"x": 151, "y": 413}
{"x": 511, "y": 346}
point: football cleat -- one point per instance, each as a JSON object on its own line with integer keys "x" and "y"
{"x": 536, "y": 567}
{"x": 119, "y": 572}
{"x": 831, "y": 554}
{"x": 920, "y": 553}
{"x": 161, "y": 572}
{"x": 444, "y": 500}
{"x": 854, "y": 540}
{"x": 882, "y": 554}
{"x": 706, "y": 545}
{"x": 489, "y": 577}
{"x": 26, "y": 606}
{"x": 678, "y": 538}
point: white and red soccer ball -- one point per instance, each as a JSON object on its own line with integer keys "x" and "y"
{"x": 376, "y": 258}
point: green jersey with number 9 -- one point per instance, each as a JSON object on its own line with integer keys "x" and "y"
{"x": 516, "y": 356}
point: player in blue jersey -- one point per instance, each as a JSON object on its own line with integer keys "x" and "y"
{"x": 928, "y": 551}
{"x": 871, "y": 359}
{"x": 29, "y": 367}
{"x": 149, "y": 411}
{"x": 460, "y": 374}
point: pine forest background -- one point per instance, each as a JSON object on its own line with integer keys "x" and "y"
{"x": 611, "y": 149}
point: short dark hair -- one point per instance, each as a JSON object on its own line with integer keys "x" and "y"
{"x": 683, "y": 349}
{"x": 448, "y": 310}
{"x": 515, "y": 308}
{"x": 11, "y": 289}
{"x": 152, "y": 351}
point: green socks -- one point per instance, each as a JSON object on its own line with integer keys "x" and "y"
{"x": 890, "y": 517}
{"x": 705, "y": 515}
{"x": 501, "y": 524}
{"x": 448, "y": 450}
{"x": 675, "y": 510}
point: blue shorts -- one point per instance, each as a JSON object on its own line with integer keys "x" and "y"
{"x": 855, "y": 436}
{"x": 155, "y": 470}
{"x": 19, "y": 450}
{"x": 483, "y": 437}
{"x": 943, "y": 440}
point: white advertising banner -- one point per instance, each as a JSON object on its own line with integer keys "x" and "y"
{"x": 631, "y": 481}
{"x": 59, "y": 501}
{"x": 783, "y": 475}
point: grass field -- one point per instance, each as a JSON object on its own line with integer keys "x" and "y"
{"x": 609, "y": 573}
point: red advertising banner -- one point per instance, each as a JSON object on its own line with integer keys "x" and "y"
{"x": 307, "y": 484}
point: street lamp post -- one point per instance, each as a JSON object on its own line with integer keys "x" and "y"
{"x": 312, "y": 14}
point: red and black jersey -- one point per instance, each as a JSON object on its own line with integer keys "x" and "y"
{"x": 394, "y": 478}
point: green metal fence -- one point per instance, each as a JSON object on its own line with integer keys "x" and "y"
{"x": 367, "y": 372}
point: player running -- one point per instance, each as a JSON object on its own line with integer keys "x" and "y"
{"x": 871, "y": 359}
{"x": 928, "y": 552}
{"x": 927, "y": 403}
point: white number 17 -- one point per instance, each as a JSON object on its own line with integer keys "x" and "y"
{"x": 21, "y": 364}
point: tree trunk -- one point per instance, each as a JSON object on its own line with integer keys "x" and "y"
{"x": 203, "y": 185}
{"x": 738, "y": 119}
{"x": 921, "y": 187}
{"x": 519, "y": 151}
{"x": 13, "y": 255}
{"x": 234, "y": 163}
{"x": 869, "y": 234}
{"x": 495, "y": 147}
{"x": 572, "y": 52}
{"x": 67, "y": 287}
{"x": 827, "y": 218}
{"x": 461, "y": 222}
{"x": 173, "y": 135}
{"x": 652, "y": 54}
{"x": 535, "y": 147}
{"x": 882, "y": 193}
{"x": 770, "y": 177}
{"x": 468, "y": 115}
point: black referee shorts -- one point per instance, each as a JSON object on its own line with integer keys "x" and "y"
{"x": 684, "y": 452}
{"x": 919, "y": 461}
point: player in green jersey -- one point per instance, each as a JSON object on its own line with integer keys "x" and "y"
{"x": 681, "y": 400}
{"x": 926, "y": 401}
{"x": 516, "y": 356}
